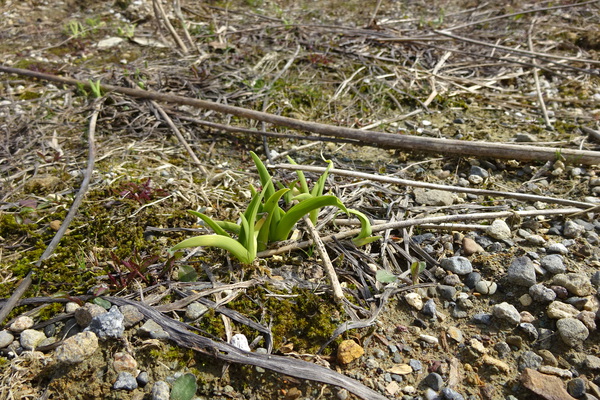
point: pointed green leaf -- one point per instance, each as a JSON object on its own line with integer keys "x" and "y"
{"x": 229, "y": 226}
{"x": 364, "y": 237}
{"x": 320, "y": 185}
{"x": 287, "y": 222}
{"x": 222, "y": 242}
{"x": 301, "y": 177}
{"x": 210, "y": 222}
{"x": 384, "y": 276}
{"x": 265, "y": 177}
{"x": 275, "y": 213}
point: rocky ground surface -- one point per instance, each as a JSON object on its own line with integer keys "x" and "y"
{"x": 506, "y": 309}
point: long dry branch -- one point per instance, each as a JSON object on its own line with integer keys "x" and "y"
{"x": 375, "y": 139}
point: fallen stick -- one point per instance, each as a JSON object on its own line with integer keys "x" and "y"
{"x": 371, "y": 138}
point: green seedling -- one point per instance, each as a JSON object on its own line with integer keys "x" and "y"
{"x": 415, "y": 269}
{"x": 95, "y": 88}
{"x": 264, "y": 221}
{"x": 74, "y": 29}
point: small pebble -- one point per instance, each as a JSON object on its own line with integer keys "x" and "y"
{"x": 458, "y": 264}
{"x": 486, "y": 287}
{"x": 499, "y": 230}
{"x": 553, "y": 263}
{"x": 142, "y": 379}
{"x": 572, "y": 331}
{"x": 472, "y": 278}
{"x": 125, "y": 381}
{"x": 429, "y": 308}
{"x": 557, "y": 248}
{"x": 541, "y": 294}
{"x": 433, "y": 381}
{"x": 153, "y": 330}
{"x": 6, "y": 338}
{"x": 529, "y": 360}
{"x": 521, "y": 272}
{"x": 108, "y": 325}
{"x": 160, "y": 391}
{"x": 559, "y": 310}
{"x": 240, "y": 341}
{"x": 20, "y": 324}
{"x": 30, "y": 338}
{"x": 414, "y": 300}
{"x": 506, "y": 312}
{"x": 576, "y": 387}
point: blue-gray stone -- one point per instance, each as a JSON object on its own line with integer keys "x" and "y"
{"x": 457, "y": 264}
{"x": 472, "y": 278}
{"x": 475, "y": 170}
{"x": 529, "y": 360}
{"x": 482, "y": 318}
{"x": 541, "y": 294}
{"x": 434, "y": 381}
{"x": 553, "y": 263}
{"x": 576, "y": 387}
{"x": 446, "y": 292}
{"x": 415, "y": 365}
{"x": 450, "y": 394}
{"x": 125, "y": 381}
{"x": 108, "y": 325}
{"x": 521, "y": 272}
{"x": 142, "y": 378}
{"x": 429, "y": 308}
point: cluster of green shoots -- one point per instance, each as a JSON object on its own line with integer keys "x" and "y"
{"x": 264, "y": 221}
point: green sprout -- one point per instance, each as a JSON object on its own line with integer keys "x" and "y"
{"x": 264, "y": 221}
{"x": 415, "y": 269}
{"x": 95, "y": 88}
{"x": 74, "y": 29}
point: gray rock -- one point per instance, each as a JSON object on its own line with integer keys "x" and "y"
{"x": 451, "y": 280}
{"x": 472, "y": 278}
{"x": 499, "y": 230}
{"x": 553, "y": 263}
{"x": 433, "y": 197}
{"x": 77, "y": 348}
{"x": 21, "y": 323}
{"x": 557, "y": 248}
{"x": 482, "y": 318}
{"x": 108, "y": 325}
{"x": 142, "y": 379}
{"x": 125, "y": 381}
{"x": 131, "y": 315}
{"x": 30, "y": 338}
{"x": 529, "y": 360}
{"x": 541, "y": 293}
{"x": 576, "y": 387}
{"x": 160, "y": 391}
{"x": 154, "y": 330}
{"x": 6, "y": 338}
{"x": 530, "y": 330}
{"x": 592, "y": 362}
{"x": 415, "y": 364}
{"x": 195, "y": 310}
{"x": 478, "y": 171}
{"x": 596, "y": 279}
{"x": 572, "y": 331}
{"x": 506, "y": 312}
{"x": 429, "y": 308}
{"x": 459, "y": 265}
{"x": 578, "y": 284}
{"x": 573, "y": 229}
{"x": 451, "y": 394}
{"x": 524, "y": 137}
{"x": 521, "y": 272}
{"x": 446, "y": 292}
{"x": 434, "y": 381}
